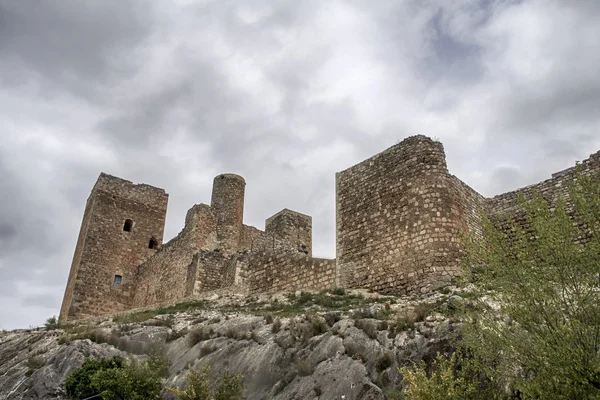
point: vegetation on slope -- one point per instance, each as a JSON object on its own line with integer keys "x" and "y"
{"x": 543, "y": 342}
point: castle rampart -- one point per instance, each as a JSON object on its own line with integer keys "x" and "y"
{"x": 399, "y": 215}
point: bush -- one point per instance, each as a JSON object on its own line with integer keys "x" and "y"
{"x": 231, "y": 387}
{"x": 78, "y": 384}
{"x": 368, "y": 327}
{"x": 198, "y": 335}
{"x": 116, "y": 378}
{"x": 33, "y": 364}
{"x": 197, "y": 387}
{"x": 453, "y": 378}
{"x": 318, "y": 326}
{"x": 276, "y": 326}
{"x": 339, "y": 291}
{"x": 136, "y": 381}
{"x": 52, "y": 323}
{"x": 384, "y": 361}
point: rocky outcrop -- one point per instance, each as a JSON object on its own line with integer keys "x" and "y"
{"x": 317, "y": 353}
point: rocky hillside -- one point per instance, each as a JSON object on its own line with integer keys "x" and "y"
{"x": 333, "y": 345}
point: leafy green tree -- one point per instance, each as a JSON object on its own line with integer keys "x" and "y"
{"x": 543, "y": 270}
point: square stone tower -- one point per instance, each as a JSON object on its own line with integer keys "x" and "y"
{"x": 122, "y": 226}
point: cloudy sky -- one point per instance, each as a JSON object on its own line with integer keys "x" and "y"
{"x": 285, "y": 93}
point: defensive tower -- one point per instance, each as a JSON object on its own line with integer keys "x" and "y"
{"x": 123, "y": 225}
{"x": 227, "y": 204}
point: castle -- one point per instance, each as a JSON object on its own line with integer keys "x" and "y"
{"x": 398, "y": 215}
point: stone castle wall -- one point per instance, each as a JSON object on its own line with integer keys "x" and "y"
{"x": 284, "y": 271}
{"x": 398, "y": 214}
{"x": 507, "y": 205}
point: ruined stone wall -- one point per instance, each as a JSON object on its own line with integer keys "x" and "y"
{"x": 164, "y": 277}
{"x": 398, "y": 214}
{"x": 211, "y": 270}
{"x": 469, "y": 204}
{"x": 254, "y": 239}
{"x": 284, "y": 271}
{"x": 227, "y": 204}
{"x": 69, "y": 290}
{"x": 506, "y": 205}
{"x": 293, "y": 227}
{"x": 106, "y": 250}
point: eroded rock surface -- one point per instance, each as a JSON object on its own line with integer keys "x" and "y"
{"x": 354, "y": 356}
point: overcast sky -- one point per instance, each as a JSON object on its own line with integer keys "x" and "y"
{"x": 285, "y": 93}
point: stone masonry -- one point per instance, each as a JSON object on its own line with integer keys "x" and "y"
{"x": 399, "y": 217}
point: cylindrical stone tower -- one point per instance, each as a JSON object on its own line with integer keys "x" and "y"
{"x": 227, "y": 204}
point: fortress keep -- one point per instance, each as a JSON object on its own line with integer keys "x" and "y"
{"x": 398, "y": 215}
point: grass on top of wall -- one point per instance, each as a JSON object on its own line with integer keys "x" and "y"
{"x": 145, "y": 315}
{"x": 329, "y": 300}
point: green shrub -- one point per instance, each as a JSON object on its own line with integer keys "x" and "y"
{"x": 136, "y": 381}
{"x": 339, "y": 291}
{"x": 52, "y": 323}
{"x": 318, "y": 326}
{"x": 453, "y": 378}
{"x": 197, "y": 387}
{"x": 78, "y": 384}
{"x": 542, "y": 268}
{"x": 34, "y": 363}
{"x": 231, "y": 387}
{"x": 116, "y": 378}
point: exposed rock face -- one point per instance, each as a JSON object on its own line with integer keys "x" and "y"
{"x": 306, "y": 358}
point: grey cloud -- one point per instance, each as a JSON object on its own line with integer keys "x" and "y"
{"x": 7, "y": 232}
{"x": 42, "y": 300}
{"x": 78, "y": 37}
